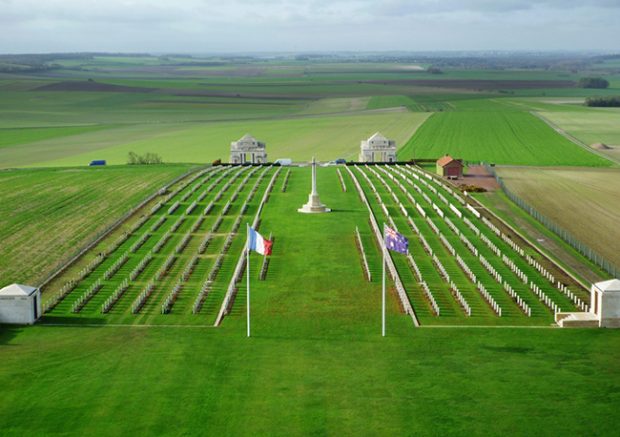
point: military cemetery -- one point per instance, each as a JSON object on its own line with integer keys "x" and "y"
{"x": 177, "y": 257}
{"x": 280, "y": 219}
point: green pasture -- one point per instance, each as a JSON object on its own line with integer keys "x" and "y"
{"x": 380, "y": 102}
{"x": 300, "y": 139}
{"x": 337, "y": 105}
{"x": 10, "y": 137}
{"x": 33, "y": 108}
{"x": 600, "y": 125}
{"x": 585, "y": 124}
{"x": 47, "y": 214}
{"x": 498, "y": 134}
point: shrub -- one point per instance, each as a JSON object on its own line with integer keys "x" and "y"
{"x": 472, "y": 189}
{"x": 604, "y": 102}
{"x": 148, "y": 158}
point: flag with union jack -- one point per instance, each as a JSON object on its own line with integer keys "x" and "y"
{"x": 395, "y": 241}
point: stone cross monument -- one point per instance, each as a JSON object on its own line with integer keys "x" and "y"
{"x": 314, "y": 204}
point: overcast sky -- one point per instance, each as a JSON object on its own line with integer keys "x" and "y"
{"x": 203, "y": 26}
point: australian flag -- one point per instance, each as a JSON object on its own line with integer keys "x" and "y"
{"x": 395, "y": 241}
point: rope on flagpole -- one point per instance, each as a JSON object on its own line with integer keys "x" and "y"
{"x": 383, "y": 286}
{"x": 247, "y": 254}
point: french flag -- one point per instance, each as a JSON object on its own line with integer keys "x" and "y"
{"x": 259, "y": 244}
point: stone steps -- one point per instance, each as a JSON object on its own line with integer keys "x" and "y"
{"x": 576, "y": 320}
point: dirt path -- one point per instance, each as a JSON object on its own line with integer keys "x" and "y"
{"x": 479, "y": 176}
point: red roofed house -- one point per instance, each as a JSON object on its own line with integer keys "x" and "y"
{"x": 449, "y": 167}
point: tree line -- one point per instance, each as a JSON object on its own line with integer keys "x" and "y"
{"x": 604, "y": 102}
{"x": 593, "y": 82}
{"x": 148, "y": 158}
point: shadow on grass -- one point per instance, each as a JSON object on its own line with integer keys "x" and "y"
{"x": 338, "y": 210}
{"x": 71, "y": 320}
{"x": 7, "y": 332}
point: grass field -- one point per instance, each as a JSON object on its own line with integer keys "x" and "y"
{"x": 492, "y": 132}
{"x": 45, "y": 214}
{"x": 12, "y": 137}
{"x": 585, "y": 202}
{"x": 299, "y": 139}
{"x": 584, "y": 124}
{"x": 309, "y": 380}
{"x": 591, "y": 127}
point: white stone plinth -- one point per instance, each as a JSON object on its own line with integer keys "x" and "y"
{"x": 314, "y": 205}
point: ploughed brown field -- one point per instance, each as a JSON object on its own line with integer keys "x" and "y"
{"x": 584, "y": 201}
{"x": 89, "y": 85}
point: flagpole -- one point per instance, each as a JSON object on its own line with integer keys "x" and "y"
{"x": 247, "y": 257}
{"x": 383, "y": 288}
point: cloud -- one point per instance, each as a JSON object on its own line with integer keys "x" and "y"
{"x": 272, "y": 25}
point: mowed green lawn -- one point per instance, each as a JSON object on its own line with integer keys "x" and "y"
{"x": 214, "y": 381}
{"x": 47, "y": 214}
{"x": 297, "y": 138}
{"x": 492, "y": 132}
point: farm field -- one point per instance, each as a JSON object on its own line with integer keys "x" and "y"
{"x": 177, "y": 264}
{"x": 492, "y": 132}
{"x": 101, "y": 107}
{"x": 591, "y": 127}
{"x": 583, "y": 201}
{"x": 299, "y": 139}
{"x": 46, "y": 214}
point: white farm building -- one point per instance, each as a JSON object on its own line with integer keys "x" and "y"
{"x": 20, "y": 304}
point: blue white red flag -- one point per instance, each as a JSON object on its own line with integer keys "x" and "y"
{"x": 395, "y": 241}
{"x": 258, "y": 243}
